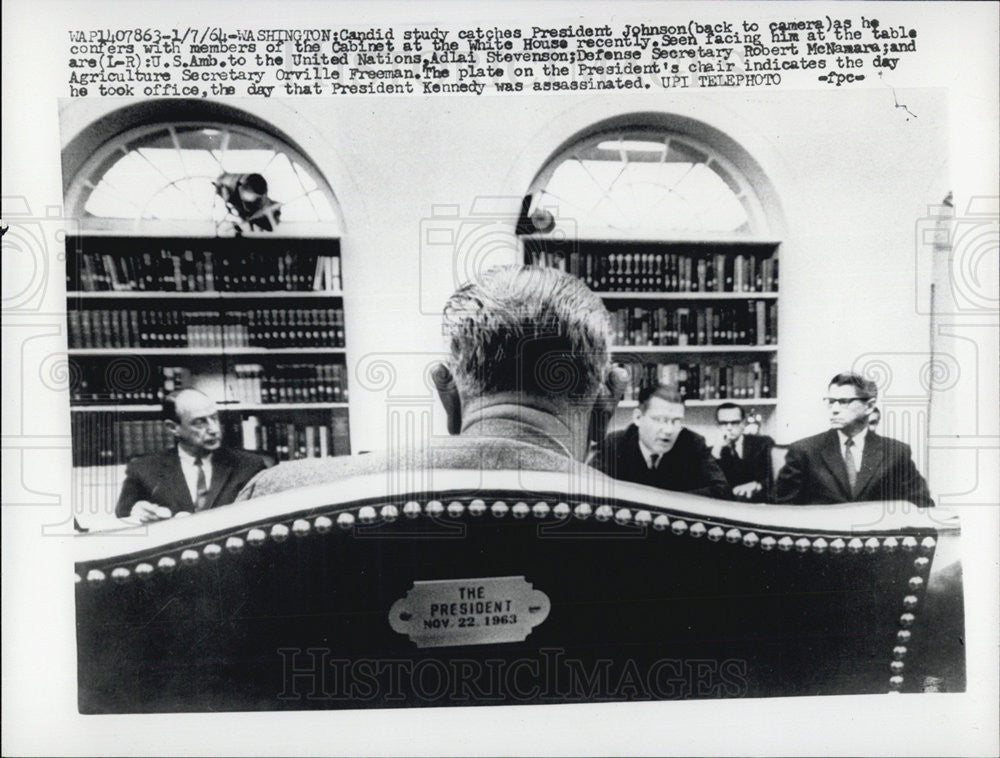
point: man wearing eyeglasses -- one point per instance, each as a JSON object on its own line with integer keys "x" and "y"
{"x": 850, "y": 462}
{"x": 657, "y": 450}
{"x": 745, "y": 459}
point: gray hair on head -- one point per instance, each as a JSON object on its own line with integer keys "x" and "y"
{"x": 527, "y": 329}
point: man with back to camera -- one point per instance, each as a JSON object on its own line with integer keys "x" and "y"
{"x": 659, "y": 451}
{"x": 200, "y": 473}
{"x": 850, "y": 462}
{"x": 745, "y": 459}
{"x": 527, "y": 383}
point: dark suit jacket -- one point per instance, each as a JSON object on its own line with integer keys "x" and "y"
{"x": 687, "y": 467}
{"x": 815, "y": 473}
{"x": 753, "y": 466}
{"x": 159, "y": 479}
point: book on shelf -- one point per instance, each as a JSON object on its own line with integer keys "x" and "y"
{"x": 103, "y": 439}
{"x": 292, "y": 441}
{"x": 187, "y": 269}
{"x": 244, "y": 383}
{"x": 106, "y": 439}
{"x": 258, "y": 327}
{"x": 745, "y": 323}
{"x": 287, "y": 383}
{"x": 341, "y": 436}
{"x": 304, "y": 383}
{"x": 327, "y": 275}
{"x": 751, "y": 380}
{"x": 108, "y": 383}
{"x": 664, "y": 271}
{"x": 96, "y": 384}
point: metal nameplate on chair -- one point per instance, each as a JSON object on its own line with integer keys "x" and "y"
{"x": 480, "y": 611}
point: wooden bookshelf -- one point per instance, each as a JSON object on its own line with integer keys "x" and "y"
{"x": 691, "y": 349}
{"x": 255, "y": 322}
{"x": 228, "y": 408}
{"x": 218, "y": 351}
{"x": 699, "y": 313}
{"x": 152, "y": 295}
{"x": 612, "y": 296}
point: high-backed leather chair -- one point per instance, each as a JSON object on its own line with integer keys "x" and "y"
{"x": 506, "y": 587}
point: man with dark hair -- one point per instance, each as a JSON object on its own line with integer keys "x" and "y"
{"x": 200, "y": 473}
{"x": 657, "y": 450}
{"x": 528, "y": 381}
{"x": 850, "y": 462}
{"x": 745, "y": 459}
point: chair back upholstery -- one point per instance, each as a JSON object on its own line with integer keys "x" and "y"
{"x": 499, "y": 587}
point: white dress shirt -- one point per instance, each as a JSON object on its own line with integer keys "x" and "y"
{"x": 190, "y": 472}
{"x": 858, "y": 449}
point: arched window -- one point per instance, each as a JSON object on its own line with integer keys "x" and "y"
{"x": 648, "y": 182}
{"x": 208, "y": 257}
{"x": 666, "y": 219}
{"x": 185, "y": 178}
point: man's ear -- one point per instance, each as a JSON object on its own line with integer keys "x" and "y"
{"x": 171, "y": 426}
{"x": 447, "y": 391}
{"x": 608, "y": 396}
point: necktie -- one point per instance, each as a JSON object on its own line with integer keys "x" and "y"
{"x": 201, "y": 497}
{"x": 731, "y": 447}
{"x": 852, "y": 471}
{"x": 653, "y": 460}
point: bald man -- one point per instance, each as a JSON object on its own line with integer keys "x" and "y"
{"x": 198, "y": 474}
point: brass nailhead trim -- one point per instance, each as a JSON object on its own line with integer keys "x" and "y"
{"x": 279, "y": 532}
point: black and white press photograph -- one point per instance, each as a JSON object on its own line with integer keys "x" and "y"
{"x": 632, "y": 369}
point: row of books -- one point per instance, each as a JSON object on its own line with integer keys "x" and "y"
{"x": 754, "y": 322}
{"x": 666, "y": 272}
{"x": 292, "y": 327}
{"x": 134, "y": 383}
{"x": 261, "y": 327}
{"x": 100, "y": 439}
{"x": 125, "y": 381}
{"x": 190, "y": 270}
{"x": 700, "y": 381}
{"x": 286, "y": 441}
{"x": 287, "y": 383}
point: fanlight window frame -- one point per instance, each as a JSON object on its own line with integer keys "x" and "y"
{"x": 328, "y": 221}
{"x": 573, "y": 221}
